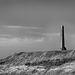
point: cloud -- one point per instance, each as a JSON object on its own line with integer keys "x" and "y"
{"x": 31, "y": 40}
{"x": 31, "y": 27}
{"x": 4, "y": 35}
{"x": 52, "y": 34}
{"x": 12, "y": 26}
{"x": 39, "y": 40}
{"x": 19, "y": 27}
{"x": 18, "y": 41}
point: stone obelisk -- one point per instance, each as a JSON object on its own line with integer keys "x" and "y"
{"x": 62, "y": 38}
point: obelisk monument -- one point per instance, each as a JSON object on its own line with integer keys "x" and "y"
{"x": 62, "y": 38}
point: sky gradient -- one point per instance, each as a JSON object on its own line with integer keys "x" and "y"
{"x": 32, "y": 25}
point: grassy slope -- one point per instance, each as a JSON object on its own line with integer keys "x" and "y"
{"x": 54, "y": 62}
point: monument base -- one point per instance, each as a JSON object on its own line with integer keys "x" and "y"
{"x": 64, "y": 48}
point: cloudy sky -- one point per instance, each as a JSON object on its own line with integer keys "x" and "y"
{"x": 32, "y": 25}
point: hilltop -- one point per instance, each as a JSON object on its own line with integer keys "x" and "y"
{"x": 53, "y": 62}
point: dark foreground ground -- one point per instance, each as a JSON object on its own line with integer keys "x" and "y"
{"x": 39, "y": 63}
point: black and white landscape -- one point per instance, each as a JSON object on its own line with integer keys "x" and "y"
{"x": 37, "y": 37}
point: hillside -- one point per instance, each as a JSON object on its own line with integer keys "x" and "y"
{"x": 39, "y": 63}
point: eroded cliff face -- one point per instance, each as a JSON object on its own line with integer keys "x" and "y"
{"x": 39, "y": 63}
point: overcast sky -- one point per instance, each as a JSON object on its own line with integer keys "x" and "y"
{"x": 32, "y": 25}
